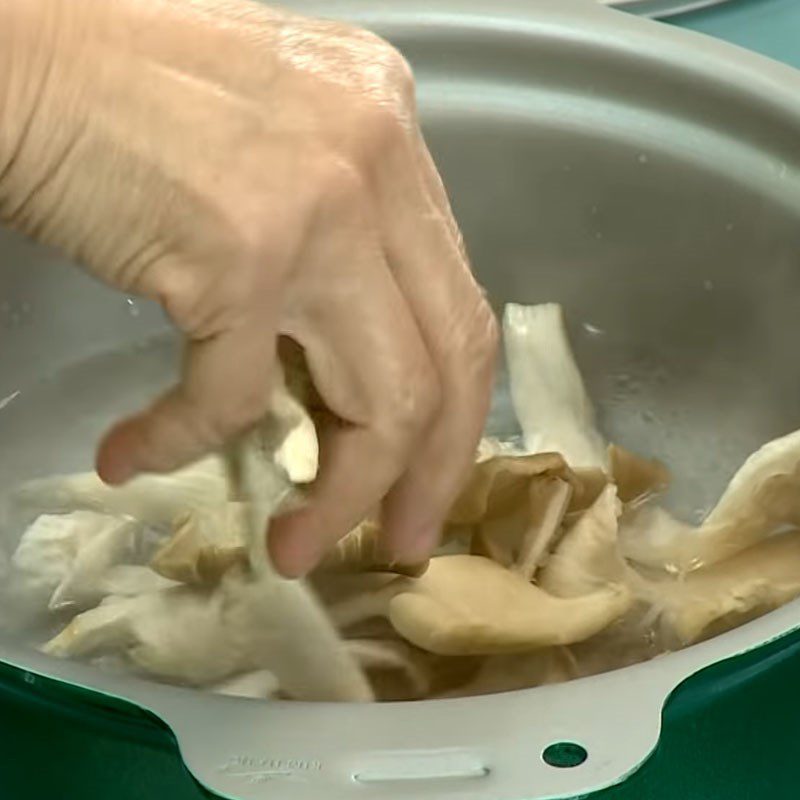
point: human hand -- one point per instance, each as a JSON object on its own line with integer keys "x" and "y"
{"x": 260, "y": 175}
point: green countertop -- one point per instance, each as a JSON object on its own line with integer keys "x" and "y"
{"x": 770, "y": 27}
{"x": 732, "y": 733}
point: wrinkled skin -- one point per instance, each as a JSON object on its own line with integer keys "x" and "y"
{"x": 261, "y": 175}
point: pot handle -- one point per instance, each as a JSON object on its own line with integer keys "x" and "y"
{"x": 553, "y": 741}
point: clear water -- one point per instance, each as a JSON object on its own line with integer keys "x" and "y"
{"x": 53, "y": 426}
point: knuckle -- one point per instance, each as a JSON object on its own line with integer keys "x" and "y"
{"x": 339, "y": 181}
{"x": 239, "y": 410}
{"x": 202, "y": 302}
{"x": 179, "y": 293}
{"x": 384, "y": 126}
{"x": 413, "y": 404}
{"x": 397, "y": 70}
{"x": 403, "y": 77}
{"x": 474, "y": 340}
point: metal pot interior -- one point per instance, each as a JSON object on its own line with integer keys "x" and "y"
{"x": 655, "y": 196}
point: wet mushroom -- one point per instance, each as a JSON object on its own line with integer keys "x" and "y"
{"x": 362, "y": 550}
{"x": 762, "y": 498}
{"x": 152, "y": 500}
{"x": 588, "y": 556}
{"x": 468, "y": 605}
{"x": 62, "y": 558}
{"x": 721, "y": 596}
{"x": 637, "y": 478}
{"x": 394, "y": 668}
{"x": 547, "y": 390}
{"x": 203, "y": 547}
{"x": 509, "y": 673}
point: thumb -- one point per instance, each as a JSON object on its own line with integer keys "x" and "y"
{"x": 224, "y": 390}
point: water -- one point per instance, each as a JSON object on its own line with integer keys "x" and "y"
{"x": 644, "y": 403}
{"x": 593, "y": 330}
{"x": 133, "y": 307}
{"x": 53, "y": 426}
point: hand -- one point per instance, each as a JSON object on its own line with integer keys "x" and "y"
{"x": 260, "y": 175}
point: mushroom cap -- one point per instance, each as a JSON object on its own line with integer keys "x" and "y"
{"x": 469, "y": 605}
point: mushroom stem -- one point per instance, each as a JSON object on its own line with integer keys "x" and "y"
{"x": 549, "y": 397}
{"x": 548, "y": 501}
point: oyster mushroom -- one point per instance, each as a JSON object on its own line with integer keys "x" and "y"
{"x": 122, "y": 580}
{"x": 362, "y": 551}
{"x": 549, "y": 501}
{"x": 258, "y": 685}
{"x": 469, "y": 605}
{"x": 253, "y": 619}
{"x": 549, "y": 397}
{"x": 521, "y": 540}
{"x": 636, "y": 478}
{"x": 201, "y": 636}
{"x": 499, "y": 486}
{"x": 394, "y": 668}
{"x": 723, "y": 595}
{"x": 588, "y": 556}
{"x": 286, "y": 440}
{"x": 203, "y": 547}
{"x": 513, "y": 506}
{"x": 61, "y": 559}
{"x": 762, "y": 498}
{"x": 322, "y": 666}
{"x": 153, "y": 500}
{"x": 509, "y": 673}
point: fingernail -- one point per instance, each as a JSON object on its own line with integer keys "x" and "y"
{"x": 114, "y": 470}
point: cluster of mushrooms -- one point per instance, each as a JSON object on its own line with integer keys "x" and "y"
{"x": 555, "y": 561}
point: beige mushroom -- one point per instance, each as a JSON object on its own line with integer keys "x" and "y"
{"x": 587, "y": 557}
{"x": 509, "y": 673}
{"x": 63, "y": 560}
{"x": 362, "y": 551}
{"x": 253, "y": 619}
{"x": 122, "y": 580}
{"x": 310, "y": 644}
{"x": 200, "y": 636}
{"x": 499, "y": 486}
{"x": 468, "y": 605}
{"x": 153, "y": 500}
{"x": 396, "y": 670}
{"x": 716, "y": 598}
{"x": 286, "y": 441}
{"x": 521, "y": 540}
{"x": 637, "y": 478}
{"x": 550, "y": 399}
{"x": 761, "y": 499}
{"x": 548, "y": 501}
{"x": 203, "y": 547}
{"x": 258, "y": 685}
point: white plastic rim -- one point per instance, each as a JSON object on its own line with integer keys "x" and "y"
{"x": 486, "y": 748}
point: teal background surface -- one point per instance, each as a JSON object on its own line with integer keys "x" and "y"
{"x": 730, "y": 733}
{"x": 770, "y": 27}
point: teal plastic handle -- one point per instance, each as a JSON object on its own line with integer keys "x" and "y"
{"x": 729, "y": 732}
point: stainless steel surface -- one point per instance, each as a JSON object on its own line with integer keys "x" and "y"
{"x": 649, "y": 180}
